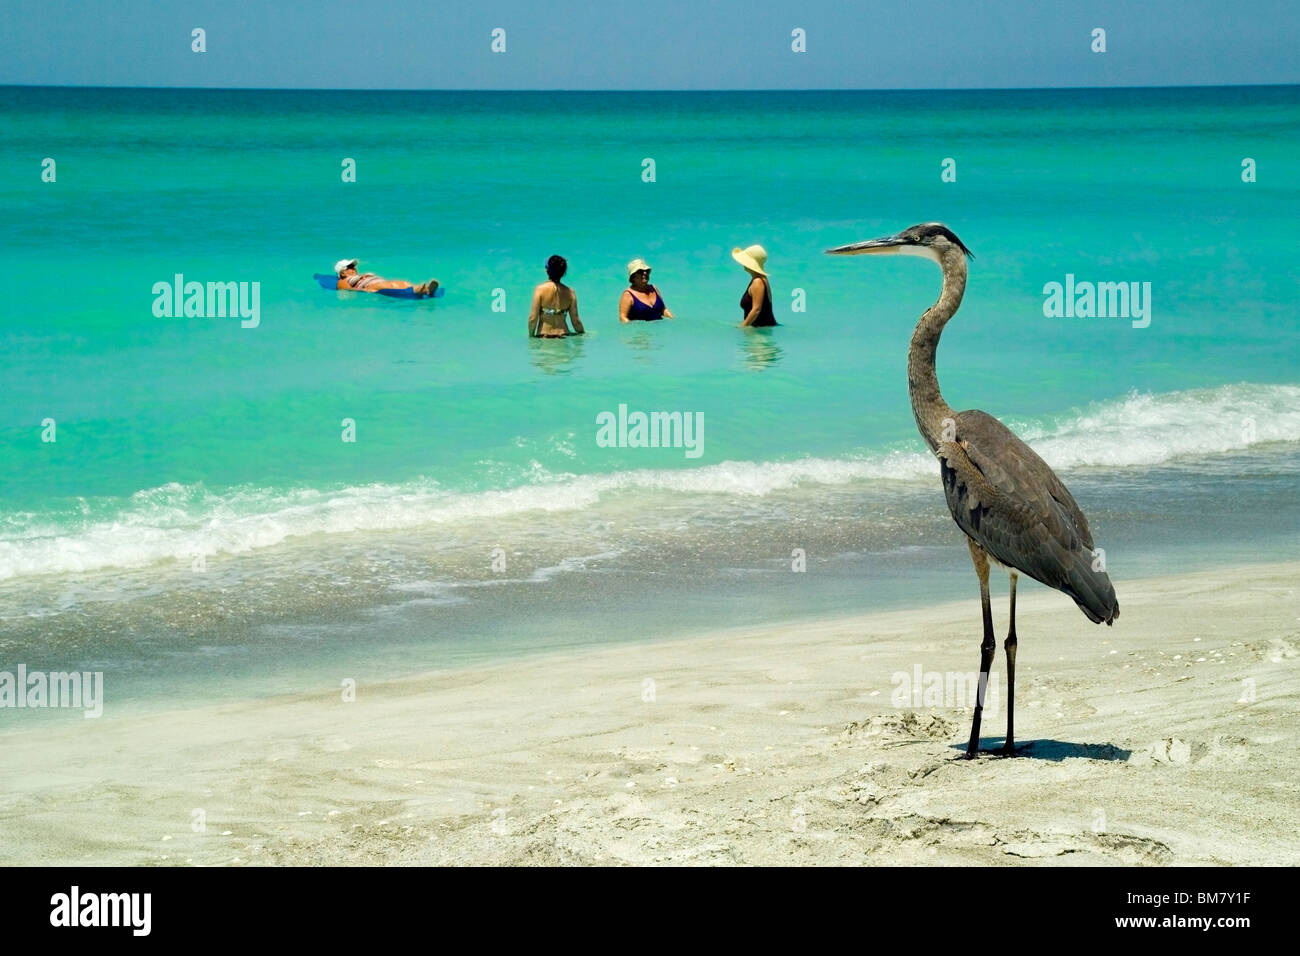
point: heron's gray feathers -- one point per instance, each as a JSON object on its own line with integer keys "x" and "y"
{"x": 1010, "y": 503}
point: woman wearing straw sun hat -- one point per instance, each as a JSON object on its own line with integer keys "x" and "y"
{"x": 756, "y": 303}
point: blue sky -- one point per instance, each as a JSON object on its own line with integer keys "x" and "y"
{"x": 664, "y": 44}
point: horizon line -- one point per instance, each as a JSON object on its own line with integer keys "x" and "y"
{"x": 621, "y": 90}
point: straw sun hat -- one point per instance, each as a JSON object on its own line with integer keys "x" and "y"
{"x": 753, "y": 258}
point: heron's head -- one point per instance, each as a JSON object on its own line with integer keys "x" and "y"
{"x": 931, "y": 240}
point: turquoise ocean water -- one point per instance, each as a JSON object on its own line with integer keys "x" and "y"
{"x": 186, "y": 437}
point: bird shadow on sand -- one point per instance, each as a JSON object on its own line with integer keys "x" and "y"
{"x": 1053, "y": 750}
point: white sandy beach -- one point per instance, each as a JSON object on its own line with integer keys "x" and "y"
{"x": 770, "y": 745}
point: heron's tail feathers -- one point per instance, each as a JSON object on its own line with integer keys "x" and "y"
{"x": 1093, "y": 592}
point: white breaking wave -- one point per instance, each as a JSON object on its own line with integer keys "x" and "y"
{"x": 175, "y": 522}
{"x": 1145, "y": 430}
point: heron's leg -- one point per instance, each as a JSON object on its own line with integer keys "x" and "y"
{"x": 1009, "y": 747}
{"x": 987, "y": 648}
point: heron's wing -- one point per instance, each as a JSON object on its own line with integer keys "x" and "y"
{"x": 1017, "y": 470}
{"x": 1010, "y": 503}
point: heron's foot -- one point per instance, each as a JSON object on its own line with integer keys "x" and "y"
{"x": 1006, "y": 750}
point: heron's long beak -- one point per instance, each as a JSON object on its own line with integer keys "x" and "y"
{"x": 886, "y": 245}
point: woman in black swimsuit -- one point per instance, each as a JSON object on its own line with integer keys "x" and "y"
{"x": 756, "y": 303}
{"x": 641, "y": 302}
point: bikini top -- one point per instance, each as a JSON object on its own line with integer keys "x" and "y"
{"x": 563, "y": 311}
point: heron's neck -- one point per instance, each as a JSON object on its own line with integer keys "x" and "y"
{"x": 928, "y": 405}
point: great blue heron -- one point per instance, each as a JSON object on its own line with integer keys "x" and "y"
{"x": 1012, "y": 507}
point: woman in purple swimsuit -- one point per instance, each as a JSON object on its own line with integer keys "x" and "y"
{"x": 641, "y": 302}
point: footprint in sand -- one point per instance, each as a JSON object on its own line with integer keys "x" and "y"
{"x": 1275, "y": 650}
{"x": 908, "y": 724}
{"x": 1116, "y": 847}
{"x": 1169, "y": 750}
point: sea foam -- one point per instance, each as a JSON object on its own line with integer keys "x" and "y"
{"x": 176, "y": 522}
